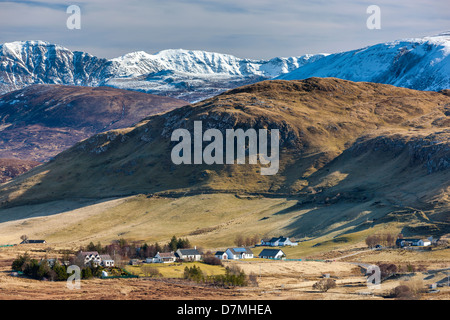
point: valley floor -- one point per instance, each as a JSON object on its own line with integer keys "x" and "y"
{"x": 277, "y": 280}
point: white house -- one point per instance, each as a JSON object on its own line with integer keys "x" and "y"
{"x": 427, "y": 242}
{"x": 414, "y": 242}
{"x": 278, "y": 241}
{"x": 165, "y": 257}
{"x": 272, "y": 254}
{"x": 90, "y": 258}
{"x": 239, "y": 253}
{"x": 107, "y": 261}
{"x": 188, "y": 254}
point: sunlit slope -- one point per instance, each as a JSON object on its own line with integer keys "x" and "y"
{"x": 353, "y": 156}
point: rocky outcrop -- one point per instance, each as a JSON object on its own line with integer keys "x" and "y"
{"x": 431, "y": 151}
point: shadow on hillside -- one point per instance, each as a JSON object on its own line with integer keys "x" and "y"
{"x": 322, "y": 220}
{"x": 46, "y": 209}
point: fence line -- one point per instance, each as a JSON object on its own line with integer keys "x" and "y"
{"x": 285, "y": 259}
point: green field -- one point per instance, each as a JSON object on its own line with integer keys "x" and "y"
{"x": 176, "y": 270}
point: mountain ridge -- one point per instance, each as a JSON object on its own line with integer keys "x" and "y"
{"x": 185, "y": 74}
{"x": 415, "y": 63}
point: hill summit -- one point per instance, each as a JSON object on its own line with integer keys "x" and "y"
{"x": 369, "y": 149}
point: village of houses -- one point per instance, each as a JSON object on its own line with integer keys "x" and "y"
{"x": 94, "y": 258}
{"x": 191, "y": 255}
{"x": 277, "y": 263}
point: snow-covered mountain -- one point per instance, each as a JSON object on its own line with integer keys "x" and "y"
{"x": 422, "y": 64}
{"x": 188, "y": 75}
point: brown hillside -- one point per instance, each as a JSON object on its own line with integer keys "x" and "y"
{"x": 356, "y": 151}
{"x": 11, "y": 168}
{"x": 40, "y": 121}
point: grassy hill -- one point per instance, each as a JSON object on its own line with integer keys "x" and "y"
{"x": 354, "y": 156}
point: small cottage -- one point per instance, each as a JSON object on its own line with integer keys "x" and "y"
{"x": 165, "y": 257}
{"x": 221, "y": 255}
{"x": 412, "y": 242}
{"x": 27, "y": 241}
{"x": 107, "y": 261}
{"x": 272, "y": 254}
{"x": 90, "y": 258}
{"x": 278, "y": 241}
{"x": 239, "y": 253}
{"x": 188, "y": 254}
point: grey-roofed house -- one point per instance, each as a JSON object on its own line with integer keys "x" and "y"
{"x": 272, "y": 254}
{"x": 107, "y": 261}
{"x": 27, "y": 241}
{"x": 239, "y": 253}
{"x": 278, "y": 241}
{"x": 165, "y": 257}
{"x": 188, "y": 254}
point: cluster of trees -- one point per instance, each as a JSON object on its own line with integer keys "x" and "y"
{"x": 249, "y": 241}
{"x": 387, "y": 270}
{"x": 234, "y": 276}
{"x": 179, "y": 243}
{"x": 385, "y": 239}
{"x": 43, "y": 270}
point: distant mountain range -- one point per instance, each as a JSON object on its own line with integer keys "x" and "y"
{"x": 421, "y": 64}
{"x": 183, "y": 74}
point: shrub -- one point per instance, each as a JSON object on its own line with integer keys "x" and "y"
{"x": 86, "y": 273}
{"x": 324, "y": 285}
{"x": 60, "y": 272}
{"x": 30, "y": 268}
{"x": 19, "y": 262}
{"x": 150, "y": 271}
{"x": 212, "y": 260}
{"x": 43, "y": 271}
{"x": 409, "y": 290}
{"x": 402, "y": 292}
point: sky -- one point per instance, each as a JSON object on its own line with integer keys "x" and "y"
{"x": 256, "y": 29}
